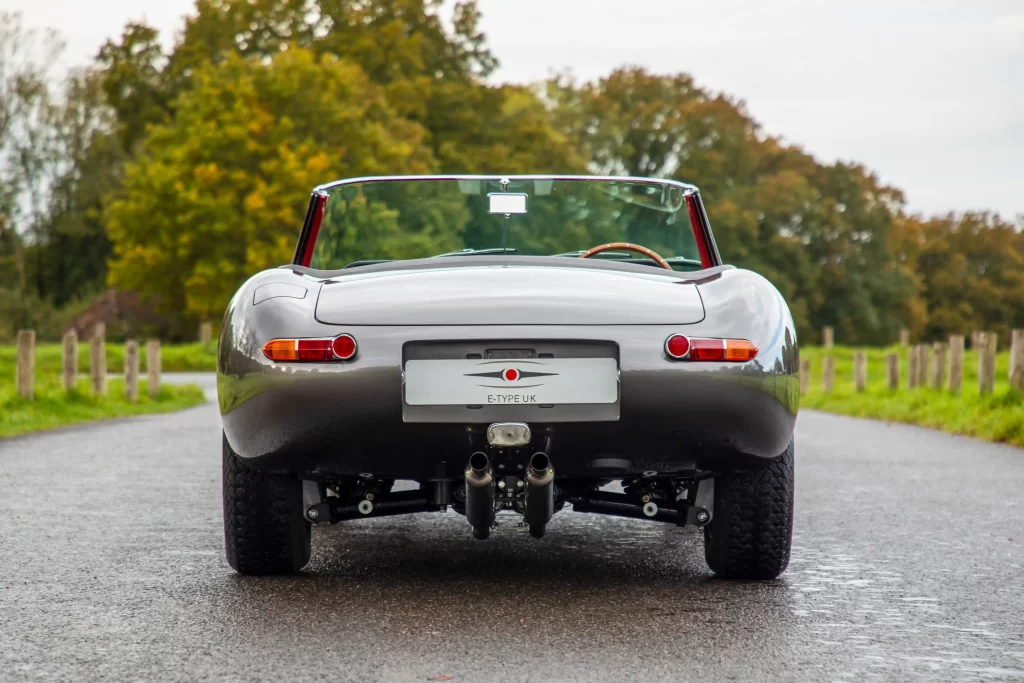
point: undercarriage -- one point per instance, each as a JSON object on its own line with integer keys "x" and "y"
{"x": 506, "y": 473}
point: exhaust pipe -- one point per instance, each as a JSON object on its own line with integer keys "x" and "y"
{"x": 480, "y": 495}
{"x": 540, "y": 494}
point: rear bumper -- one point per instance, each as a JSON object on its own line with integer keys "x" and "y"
{"x": 348, "y": 418}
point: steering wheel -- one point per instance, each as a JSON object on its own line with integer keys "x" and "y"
{"x": 653, "y": 255}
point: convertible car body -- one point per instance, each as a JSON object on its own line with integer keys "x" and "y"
{"x": 513, "y": 344}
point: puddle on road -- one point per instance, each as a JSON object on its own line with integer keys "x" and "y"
{"x": 893, "y": 626}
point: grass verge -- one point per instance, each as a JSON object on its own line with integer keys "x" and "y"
{"x": 53, "y": 407}
{"x": 173, "y": 358}
{"x": 998, "y": 417}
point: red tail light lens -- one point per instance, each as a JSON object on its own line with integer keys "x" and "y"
{"x": 315, "y": 350}
{"x": 679, "y": 347}
{"x": 344, "y": 346}
{"x": 707, "y": 349}
{"x": 327, "y": 350}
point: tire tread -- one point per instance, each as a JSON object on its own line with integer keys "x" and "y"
{"x": 264, "y": 528}
{"x": 751, "y": 532}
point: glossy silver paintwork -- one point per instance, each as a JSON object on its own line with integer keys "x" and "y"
{"x": 347, "y": 417}
{"x": 495, "y": 294}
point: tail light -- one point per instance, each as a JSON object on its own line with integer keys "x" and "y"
{"x": 329, "y": 350}
{"x": 679, "y": 347}
{"x": 344, "y": 346}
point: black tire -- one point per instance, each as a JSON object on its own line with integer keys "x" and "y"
{"x": 265, "y": 531}
{"x": 751, "y": 530}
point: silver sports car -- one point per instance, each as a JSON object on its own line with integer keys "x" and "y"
{"x": 513, "y": 345}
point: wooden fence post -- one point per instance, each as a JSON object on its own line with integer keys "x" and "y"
{"x": 956, "y": 363}
{"x": 153, "y": 367}
{"x": 1017, "y": 360}
{"x": 987, "y": 363}
{"x": 913, "y": 357}
{"x": 938, "y": 366}
{"x": 131, "y": 370}
{"x": 98, "y": 359}
{"x": 892, "y": 364}
{"x": 923, "y": 361}
{"x": 828, "y": 374}
{"x": 860, "y": 371}
{"x": 26, "y": 374}
{"x": 69, "y": 360}
{"x": 205, "y": 333}
{"x": 805, "y": 376}
{"x": 904, "y": 337}
{"x": 827, "y": 337}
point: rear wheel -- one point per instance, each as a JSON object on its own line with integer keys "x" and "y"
{"x": 750, "y": 534}
{"x": 265, "y": 531}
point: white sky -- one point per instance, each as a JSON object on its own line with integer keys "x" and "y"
{"x": 928, "y": 93}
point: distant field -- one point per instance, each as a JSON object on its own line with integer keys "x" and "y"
{"x": 999, "y": 417}
{"x": 53, "y": 407}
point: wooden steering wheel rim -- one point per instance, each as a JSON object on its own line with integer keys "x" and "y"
{"x": 628, "y": 247}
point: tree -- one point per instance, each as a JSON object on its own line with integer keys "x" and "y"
{"x": 219, "y": 192}
{"x": 430, "y": 74}
{"x": 82, "y": 160}
{"x": 134, "y": 81}
{"x": 971, "y": 270}
{"x": 819, "y": 233}
{"x": 25, "y": 59}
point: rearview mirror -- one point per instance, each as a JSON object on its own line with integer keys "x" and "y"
{"x": 507, "y": 202}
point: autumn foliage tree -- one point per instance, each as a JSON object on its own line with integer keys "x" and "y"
{"x": 969, "y": 270}
{"x": 261, "y": 101}
{"x": 219, "y": 192}
{"x": 820, "y": 233}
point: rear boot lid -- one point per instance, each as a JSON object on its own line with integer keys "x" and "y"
{"x": 509, "y": 295}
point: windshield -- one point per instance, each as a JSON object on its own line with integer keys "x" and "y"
{"x": 390, "y": 219}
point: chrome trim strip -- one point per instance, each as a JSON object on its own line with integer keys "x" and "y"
{"x": 504, "y": 178}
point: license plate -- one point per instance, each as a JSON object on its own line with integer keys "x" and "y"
{"x": 546, "y": 381}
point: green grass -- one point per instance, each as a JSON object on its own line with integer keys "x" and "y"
{"x": 998, "y": 417}
{"x": 53, "y": 407}
{"x": 173, "y": 358}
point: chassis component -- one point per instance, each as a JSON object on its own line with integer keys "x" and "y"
{"x": 335, "y": 509}
{"x": 677, "y": 500}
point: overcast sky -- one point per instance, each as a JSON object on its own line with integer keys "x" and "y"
{"x": 927, "y": 93}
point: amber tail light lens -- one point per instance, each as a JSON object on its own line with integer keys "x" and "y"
{"x": 327, "y": 350}
{"x": 679, "y": 347}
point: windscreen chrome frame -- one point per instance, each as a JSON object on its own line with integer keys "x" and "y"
{"x": 699, "y": 223}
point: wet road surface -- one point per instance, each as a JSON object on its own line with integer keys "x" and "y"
{"x": 908, "y": 564}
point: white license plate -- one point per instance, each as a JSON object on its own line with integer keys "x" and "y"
{"x": 547, "y": 381}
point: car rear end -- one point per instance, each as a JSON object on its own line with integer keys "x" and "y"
{"x": 508, "y": 381}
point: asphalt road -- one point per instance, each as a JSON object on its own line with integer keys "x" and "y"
{"x": 908, "y": 564}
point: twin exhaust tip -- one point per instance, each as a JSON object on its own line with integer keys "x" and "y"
{"x": 538, "y": 497}
{"x": 479, "y": 462}
{"x": 540, "y": 462}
